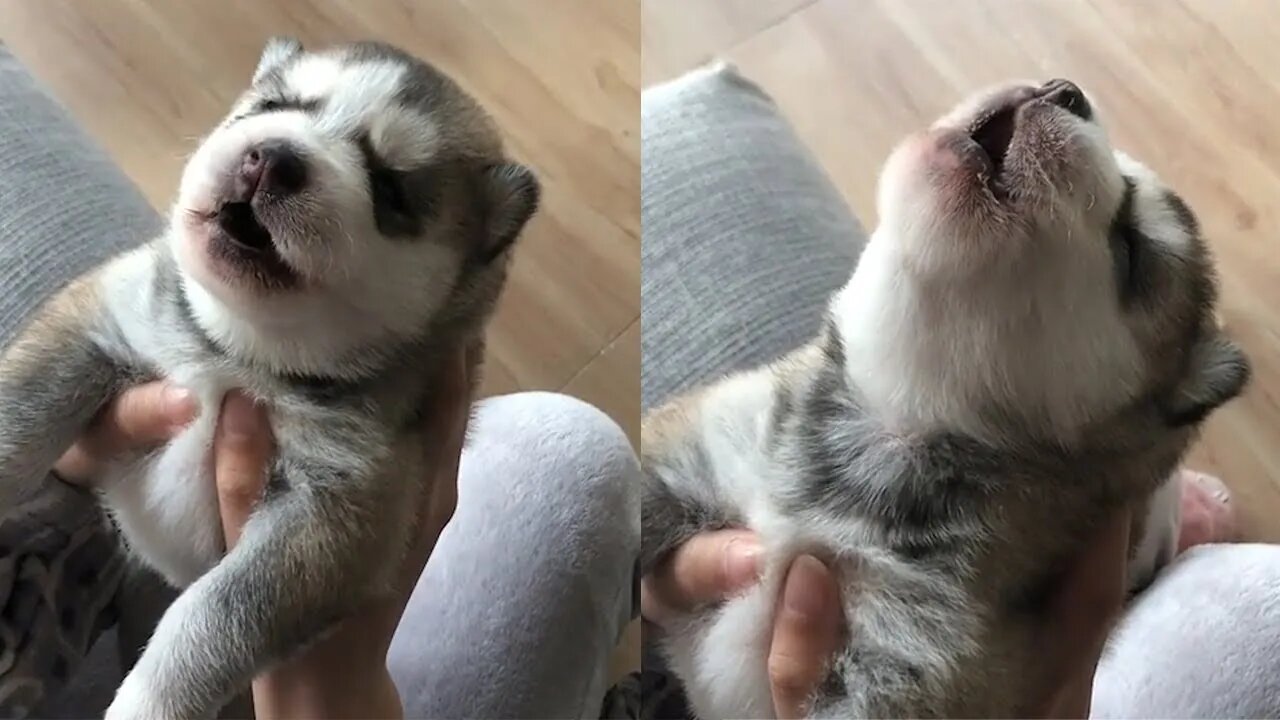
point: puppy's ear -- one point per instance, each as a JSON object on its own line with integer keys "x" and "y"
{"x": 277, "y": 51}
{"x": 1217, "y": 372}
{"x": 509, "y": 196}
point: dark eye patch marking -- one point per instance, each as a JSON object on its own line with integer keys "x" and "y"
{"x": 1126, "y": 243}
{"x": 280, "y": 104}
{"x": 277, "y": 103}
{"x": 402, "y": 200}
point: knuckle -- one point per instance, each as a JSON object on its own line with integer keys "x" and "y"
{"x": 243, "y": 445}
{"x": 787, "y": 672}
{"x": 137, "y": 404}
{"x": 239, "y": 487}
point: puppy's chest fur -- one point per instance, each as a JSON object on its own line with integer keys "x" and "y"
{"x": 943, "y": 546}
{"x": 165, "y": 500}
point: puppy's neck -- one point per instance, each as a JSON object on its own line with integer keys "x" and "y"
{"x": 285, "y": 337}
{"x": 928, "y": 361}
{"x": 903, "y": 375}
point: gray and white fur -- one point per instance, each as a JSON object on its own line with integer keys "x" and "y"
{"x": 1026, "y": 347}
{"x": 346, "y": 228}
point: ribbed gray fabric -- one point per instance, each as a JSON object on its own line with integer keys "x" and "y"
{"x": 744, "y": 237}
{"x": 64, "y": 206}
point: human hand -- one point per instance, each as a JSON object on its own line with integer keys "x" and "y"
{"x": 344, "y": 674}
{"x": 139, "y": 418}
{"x": 1079, "y": 619}
{"x": 318, "y": 682}
{"x": 807, "y": 627}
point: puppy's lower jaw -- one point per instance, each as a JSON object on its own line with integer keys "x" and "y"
{"x": 297, "y": 333}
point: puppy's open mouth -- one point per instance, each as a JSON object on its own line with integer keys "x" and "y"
{"x": 995, "y": 128}
{"x": 993, "y": 132}
{"x": 243, "y": 247}
{"x": 241, "y": 227}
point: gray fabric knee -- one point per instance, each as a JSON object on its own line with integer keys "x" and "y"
{"x": 1202, "y": 641}
{"x": 532, "y": 582}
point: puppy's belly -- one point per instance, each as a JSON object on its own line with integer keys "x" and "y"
{"x": 166, "y": 505}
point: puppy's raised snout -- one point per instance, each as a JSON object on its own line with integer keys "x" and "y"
{"x": 272, "y": 167}
{"x": 1067, "y": 95}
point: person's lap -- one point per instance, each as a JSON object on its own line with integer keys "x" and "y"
{"x": 530, "y": 586}
{"x": 745, "y": 240}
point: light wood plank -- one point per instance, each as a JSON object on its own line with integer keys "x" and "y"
{"x": 598, "y": 382}
{"x": 678, "y": 34}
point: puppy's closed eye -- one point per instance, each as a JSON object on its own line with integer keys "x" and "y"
{"x": 393, "y": 210}
{"x": 1126, "y": 244}
{"x": 283, "y": 103}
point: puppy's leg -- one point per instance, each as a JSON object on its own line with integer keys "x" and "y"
{"x": 679, "y": 496}
{"x": 306, "y": 559}
{"x": 53, "y": 378}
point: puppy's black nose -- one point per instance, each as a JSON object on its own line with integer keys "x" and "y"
{"x": 274, "y": 167}
{"x": 1065, "y": 94}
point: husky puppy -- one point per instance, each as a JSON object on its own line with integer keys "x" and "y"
{"x": 345, "y": 228}
{"x": 1026, "y": 345}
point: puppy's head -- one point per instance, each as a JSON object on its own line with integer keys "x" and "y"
{"x": 355, "y": 189}
{"x": 1025, "y": 271}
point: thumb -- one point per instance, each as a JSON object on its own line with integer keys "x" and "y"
{"x": 807, "y": 632}
{"x": 1080, "y": 616}
{"x": 145, "y": 415}
{"x": 707, "y": 568}
{"x": 138, "y": 418}
{"x": 242, "y": 452}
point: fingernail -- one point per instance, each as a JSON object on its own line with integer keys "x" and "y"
{"x": 240, "y": 418}
{"x": 742, "y": 562}
{"x": 1215, "y": 487}
{"x": 805, "y": 593}
{"x": 179, "y": 405}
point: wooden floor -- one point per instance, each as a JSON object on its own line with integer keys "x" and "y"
{"x": 147, "y": 78}
{"x": 1188, "y": 86}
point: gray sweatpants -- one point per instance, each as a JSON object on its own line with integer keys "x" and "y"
{"x": 745, "y": 239}
{"x": 530, "y": 586}
{"x": 521, "y": 603}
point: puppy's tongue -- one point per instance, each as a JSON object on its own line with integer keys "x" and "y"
{"x": 993, "y": 134}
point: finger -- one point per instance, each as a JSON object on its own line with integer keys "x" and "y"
{"x": 709, "y": 567}
{"x": 446, "y": 424}
{"x": 1094, "y": 589}
{"x": 806, "y": 633}
{"x": 1073, "y": 699}
{"x": 444, "y": 435}
{"x": 1080, "y": 617}
{"x": 242, "y": 450}
{"x": 140, "y": 417}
